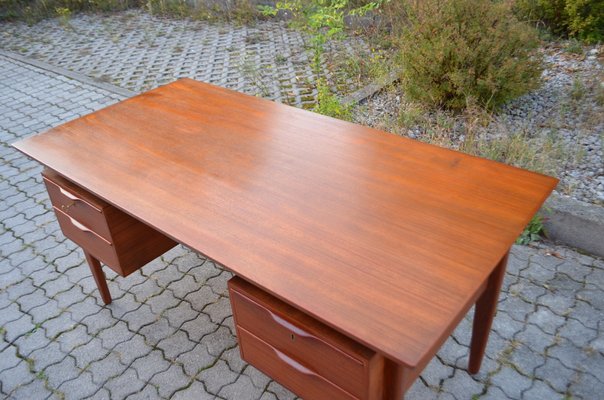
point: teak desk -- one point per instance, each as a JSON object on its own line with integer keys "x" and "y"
{"x": 381, "y": 243}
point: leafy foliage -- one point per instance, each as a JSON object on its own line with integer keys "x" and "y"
{"x": 461, "y": 52}
{"x": 532, "y": 232}
{"x": 582, "y": 19}
{"x": 34, "y": 10}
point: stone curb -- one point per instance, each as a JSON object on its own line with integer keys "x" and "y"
{"x": 575, "y": 223}
{"x": 69, "y": 74}
{"x": 568, "y": 221}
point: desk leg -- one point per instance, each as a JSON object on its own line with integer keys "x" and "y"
{"x": 485, "y": 310}
{"x": 99, "y": 277}
{"x": 395, "y": 381}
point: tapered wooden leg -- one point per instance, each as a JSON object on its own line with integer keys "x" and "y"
{"x": 485, "y": 310}
{"x": 394, "y": 381}
{"x": 99, "y": 277}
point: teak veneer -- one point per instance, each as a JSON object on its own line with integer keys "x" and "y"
{"x": 386, "y": 240}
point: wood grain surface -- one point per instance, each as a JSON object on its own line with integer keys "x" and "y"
{"x": 386, "y": 239}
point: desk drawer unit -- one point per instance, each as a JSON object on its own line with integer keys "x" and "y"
{"x": 272, "y": 333}
{"x": 106, "y": 234}
{"x": 113, "y": 237}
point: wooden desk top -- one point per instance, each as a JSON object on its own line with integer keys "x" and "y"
{"x": 386, "y": 239}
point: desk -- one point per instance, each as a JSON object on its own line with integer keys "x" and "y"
{"x": 386, "y": 240}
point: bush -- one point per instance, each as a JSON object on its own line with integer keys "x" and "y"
{"x": 582, "y": 19}
{"x": 34, "y": 10}
{"x": 461, "y": 52}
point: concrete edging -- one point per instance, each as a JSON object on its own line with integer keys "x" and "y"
{"x": 69, "y": 74}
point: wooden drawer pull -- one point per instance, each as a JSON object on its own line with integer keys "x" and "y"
{"x": 288, "y": 325}
{"x": 79, "y": 225}
{"x": 293, "y": 363}
{"x": 83, "y": 228}
{"x": 69, "y": 195}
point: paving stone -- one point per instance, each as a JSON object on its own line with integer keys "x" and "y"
{"x": 124, "y": 384}
{"x": 540, "y": 391}
{"x": 33, "y": 390}
{"x": 201, "y": 298}
{"x": 63, "y": 371}
{"x": 89, "y": 352}
{"x": 8, "y": 358}
{"x": 149, "y": 392}
{"x": 586, "y": 314}
{"x": 157, "y": 331}
{"x": 242, "y": 389}
{"x": 546, "y": 320}
{"x": 132, "y": 349}
{"x": 81, "y": 387}
{"x": 555, "y": 374}
{"x": 462, "y": 386}
{"x": 535, "y": 338}
{"x": 194, "y": 392}
{"x": 178, "y": 315}
{"x": 55, "y": 326}
{"x": 183, "y": 286}
{"x": 106, "y": 368}
{"x": 205, "y": 272}
{"x": 494, "y": 393}
{"x": 18, "y": 327}
{"x": 97, "y": 322}
{"x": 219, "y": 341}
{"x": 73, "y": 338}
{"x": 217, "y": 376}
{"x": 170, "y": 381}
{"x": 162, "y": 302}
{"x": 578, "y": 359}
{"x": 511, "y": 382}
{"x": 233, "y": 359}
{"x": 16, "y": 376}
{"x": 126, "y": 304}
{"x": 189, "y": 260}
{"x": 418, "y": 391}
{"x": 586, "y": 387}
{"x": 31, "y": 341}
{"x": 259, "y": 380}
{"x": 525, "y": 360}
{"x": 46, "y": 356}
{"x": 137, "y": 319}
{"x": 83, "y": 308}
{"x": 175, "y": 345}
{"x": 150, "y": 365}
{"x": 196, "y": 359}
{"x": 436, "y": 372}
{"x": 117, "y": 333}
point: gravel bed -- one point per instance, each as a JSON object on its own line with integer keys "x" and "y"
{"x": 565, "y": 110}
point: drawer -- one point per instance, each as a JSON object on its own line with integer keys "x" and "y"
{"x": 99, "y": 247}
{"x": 288, "y": 371}
{"x": 77, "y": 203}
{"x": 333, "y": 356}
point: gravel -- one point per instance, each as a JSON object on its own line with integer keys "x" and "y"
{"x": 565, "y": 109}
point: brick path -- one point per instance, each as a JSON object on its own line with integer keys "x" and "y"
{"x": 137, "y": 51}
{"x": 169, "y": 332}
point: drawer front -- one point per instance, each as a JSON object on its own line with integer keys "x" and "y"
{"x": 286, "y": 370}
{"x": 66, "y": 198}
{"x": 99, "y": 247}
{"x": 321, "y": 355}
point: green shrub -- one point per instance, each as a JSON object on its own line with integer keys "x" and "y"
{"x": 461, "y": 52}
{"x": 35, "y": 10}
{"x": 582, "y": 19}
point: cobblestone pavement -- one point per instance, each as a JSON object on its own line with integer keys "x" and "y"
{"x": 169, "y": 332}
{"x": 138, "y": 51}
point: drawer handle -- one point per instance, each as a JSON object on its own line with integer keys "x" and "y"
{"x": 69, "y": 195}
{"x": 293, "y": 363}
{"x": 288, "y": 325}
{"x": 79, "y": 225}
